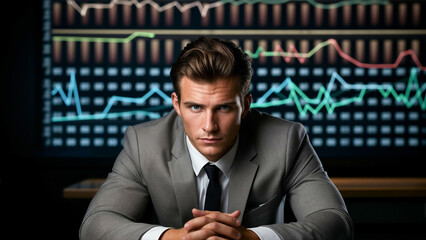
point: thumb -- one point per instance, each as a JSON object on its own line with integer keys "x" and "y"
{"x": 200, "y": 213}
{"x": 235, "y": 214}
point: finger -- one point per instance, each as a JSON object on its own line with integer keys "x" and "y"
{"x": 200, "y": 234}
{"x": 216, "y": 216}
{"x": 200, "y": 222}
{"x": 214, "y": 229}
{"x": 200, "y": 213}
{"x": 227, "y": 218}
{"x": 235, "y": 214}
{"x": 221, "y": 229}
{"x": 197, "y": 223}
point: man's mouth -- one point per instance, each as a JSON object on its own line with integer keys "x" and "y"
{"x": 210, "y": 140}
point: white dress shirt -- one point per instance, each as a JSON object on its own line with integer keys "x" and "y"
{"x": 225, "y": 165}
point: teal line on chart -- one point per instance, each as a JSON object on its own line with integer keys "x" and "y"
{"x": 324, "y": 98}
{"x": 106, "y": 114}
{"x": 304, "y": 104}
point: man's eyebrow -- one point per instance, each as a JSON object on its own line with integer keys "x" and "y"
{"x": 190, "y": 103}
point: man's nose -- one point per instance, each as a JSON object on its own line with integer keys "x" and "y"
{"x": 210, "y": 122}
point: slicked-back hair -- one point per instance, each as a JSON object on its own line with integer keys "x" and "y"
{"x": 210, "y": 59}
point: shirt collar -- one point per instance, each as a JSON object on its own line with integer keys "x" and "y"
{"x": 224, "y": 163}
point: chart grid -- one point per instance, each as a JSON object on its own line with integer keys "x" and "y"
{"x": 353, "y": 72}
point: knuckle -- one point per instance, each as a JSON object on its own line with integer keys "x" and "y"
{"x": 203, "y": 233}
{"x": 203, "y": 221}
{"x": 209, "y": 220}
{"x": 213, "y": 225}
{"x": 206, "y": 233}
{"x": 212, "y": 238}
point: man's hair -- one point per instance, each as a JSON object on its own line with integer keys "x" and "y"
{"x": 210, "y": 59}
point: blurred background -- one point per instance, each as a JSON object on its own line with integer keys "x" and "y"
{"x": 77, "y": 73}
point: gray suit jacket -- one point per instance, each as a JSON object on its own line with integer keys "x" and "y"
{"x": 152, "y": 183}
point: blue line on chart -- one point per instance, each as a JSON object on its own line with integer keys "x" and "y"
{"x": 323, "y": 99}
{"x": 106, "y": 114}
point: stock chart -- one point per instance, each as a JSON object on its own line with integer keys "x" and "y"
{"x": 353, "y": 72}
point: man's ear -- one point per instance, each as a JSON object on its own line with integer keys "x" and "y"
{"x": 175, "y": 102}
{"x": 247, "y": 104}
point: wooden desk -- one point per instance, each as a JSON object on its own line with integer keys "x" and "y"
{"x": 348, "y": 187}
{"x": 381, "y": 187}
{"x": 84, "y": 189}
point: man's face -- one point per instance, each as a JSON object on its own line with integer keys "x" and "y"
{"x": 211, "y": 114}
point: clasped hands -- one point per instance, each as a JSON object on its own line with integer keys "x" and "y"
{"x": 212, "y": 226}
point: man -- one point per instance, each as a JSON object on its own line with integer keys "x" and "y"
{"x": 162, "y": 182}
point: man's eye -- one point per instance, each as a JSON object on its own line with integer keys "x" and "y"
{"x": 195, "y": 107}
{"x": 225, "y": 108}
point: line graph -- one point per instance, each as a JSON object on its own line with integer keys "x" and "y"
{"x": 324, "y": 98}
{"x": 127, "y": 39}
{"x": 106, "y": 113}
{"x": 245, "y": 32}
{"x": 301, "y": 57}
{"x": 72, "y": 94}
{"x": 352, "y": 72}
{"x": 204, "y": 8}
{"x": 278, "y": 50}
{"x": 197, "y": 4}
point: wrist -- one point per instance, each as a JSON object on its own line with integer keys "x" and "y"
{"x": 248, "y": 234}
{"x": 172, "y": 234}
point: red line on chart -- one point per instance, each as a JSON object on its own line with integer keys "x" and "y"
{"x": 301, "y": 57}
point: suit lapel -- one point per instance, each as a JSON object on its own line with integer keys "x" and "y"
{"x": 184, "y": 180}
{"x": 243, "y": 173}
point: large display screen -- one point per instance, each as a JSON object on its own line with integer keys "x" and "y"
{"x": 353, "y": 72}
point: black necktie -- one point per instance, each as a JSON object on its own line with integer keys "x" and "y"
{"x": 212, "y": 202}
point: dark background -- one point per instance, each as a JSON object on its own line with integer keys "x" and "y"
{"x": 31, "y": 185}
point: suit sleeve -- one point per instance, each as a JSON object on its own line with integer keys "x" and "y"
{"x": 316, "y": 203}
{"x": 118, "y": 207}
